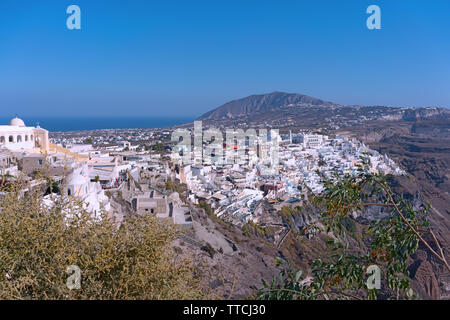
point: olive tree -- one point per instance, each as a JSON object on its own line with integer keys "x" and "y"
{"x": 61, "y": 251}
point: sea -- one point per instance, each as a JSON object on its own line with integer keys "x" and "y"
{"x": 53, "y": 124}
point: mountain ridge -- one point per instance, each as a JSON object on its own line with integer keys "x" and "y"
{"x": 260, "y": 103}
{"x": 281, "y": 108}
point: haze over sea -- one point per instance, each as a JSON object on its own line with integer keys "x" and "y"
{"x": 91, "y": 123}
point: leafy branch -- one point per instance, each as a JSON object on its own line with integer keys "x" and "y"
{"x": 389, "y": 242}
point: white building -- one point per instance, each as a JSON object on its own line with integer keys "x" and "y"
{"x": 90, "y": 193}
{"x": 18, "y": 137}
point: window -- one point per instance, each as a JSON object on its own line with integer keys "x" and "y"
{"x": 26, "y": 137}
{"x": 2, "y": 140}
{"x": 19, "y": 138}
{"x": 11, "y": 139}
{"x": 40, "y": 162}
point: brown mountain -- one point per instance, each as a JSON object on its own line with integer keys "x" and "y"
{"x": 260, "y": 104}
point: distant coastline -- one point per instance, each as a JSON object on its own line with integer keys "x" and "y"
{"x": 53, "y": 124}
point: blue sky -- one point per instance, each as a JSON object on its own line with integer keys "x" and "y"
{"x": 183, "y": 58}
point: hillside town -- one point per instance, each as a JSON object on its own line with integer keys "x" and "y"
{"x": 94, "y": 166}
{"x": 239, "y": 193}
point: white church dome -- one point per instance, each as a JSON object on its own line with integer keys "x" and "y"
{"x": 17, "y": 122}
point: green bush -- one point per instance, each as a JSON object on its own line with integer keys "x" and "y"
{"x": 133, "y": 261}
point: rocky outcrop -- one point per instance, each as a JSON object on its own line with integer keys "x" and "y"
{"x": 424, "y": 278}
{"x": 426, "y": 114}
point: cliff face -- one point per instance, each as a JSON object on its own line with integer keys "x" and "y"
{"x": 424, "y": 278}
{"x": 426, "y": 114}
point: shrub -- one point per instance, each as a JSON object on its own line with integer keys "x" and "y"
{"x": 133, "y": 261}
